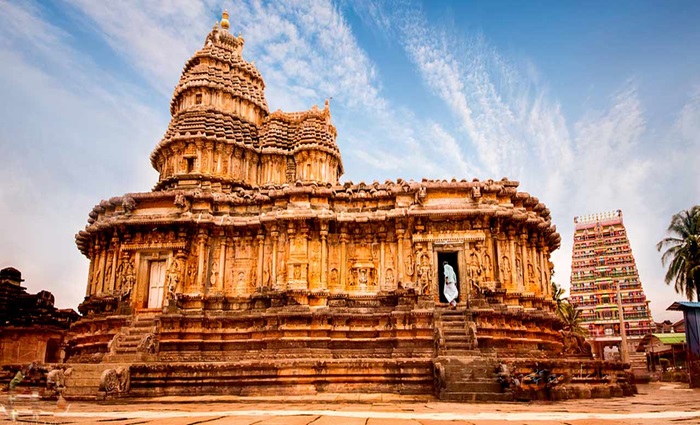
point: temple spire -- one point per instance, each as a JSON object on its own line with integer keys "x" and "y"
{"x": 225, "y": 24}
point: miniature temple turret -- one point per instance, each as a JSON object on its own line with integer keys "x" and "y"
{"x": 221, "y": 135}
{"x": 250, "y": 261}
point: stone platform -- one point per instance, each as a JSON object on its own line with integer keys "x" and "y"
{"x": 656, "y": 403}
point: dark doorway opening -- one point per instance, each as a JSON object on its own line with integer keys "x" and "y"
{"x": 451, "y": 258}
{"x": 53, "y": 349}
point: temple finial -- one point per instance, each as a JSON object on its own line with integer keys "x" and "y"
{"x": 224, "y": 20}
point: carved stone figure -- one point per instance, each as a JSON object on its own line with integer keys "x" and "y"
{"x": 425, "y": 272}
{"x": 148, "y": 344}
{"x": 56, "y": 378}
{"x": 575, "y": 345}
{"x": 114, "y": 343}
{"x": 505, "y": 270}
{"x": 409, "y": 265}
{"x": 128, "y": 203}
{"x": 115, "y": 381}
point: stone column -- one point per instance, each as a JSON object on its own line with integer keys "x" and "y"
{"x": 222, "y": 263}
{"x": 495, "y": 255}
{"x": 382, "y": 264}
{"x": 400, "y": 232}
{"x": 523, "y": 256}
{"x": 93, "y": 260}
{"x": 274, "y": 234}
{"x": 201, "y": 267}
{"x": 343, "y": 259}
{"x": 543, "y": 272}
{"x": 200, "y": 154}
{"x": 261, "y": 254}
{"x": 115, "y": 255}
{"x": 513, "y": 270}
{"x": 103, "y": 263}
{"x": 324, "y": 256}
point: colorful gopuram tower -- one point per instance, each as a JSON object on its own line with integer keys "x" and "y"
{"x": 605, "y": 282}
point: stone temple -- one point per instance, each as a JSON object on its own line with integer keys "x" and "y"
{"x": 250, "y": 268}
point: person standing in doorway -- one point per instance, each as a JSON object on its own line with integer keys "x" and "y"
{"x": 450, "y": 290}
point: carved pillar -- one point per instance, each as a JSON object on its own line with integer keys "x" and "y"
{"x": 523, "y": 266}
{"x": 547, "y": 288}
{"x": 200, "y": 155}
{"x": 115, "y": 253}
{"x": 324, "y": 256}
{"x": 496, "y": 257}
{"x": 222, "y": 263}
{"x": 382, "y": 264}
{"x": 101, "y": 270}
{"x": 274, "y": 234}
{"x": 400, "y": 232}
{"x": 343, "y": 258}
{"x": 513, "y": 271}
{"x": 261, "y": 254}
{"x": 93, "y": 260}
{"x": 201, "y": 267}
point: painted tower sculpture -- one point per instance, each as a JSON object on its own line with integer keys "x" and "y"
{"x": 605, "y": 286}
{"x": 251, "y": 268}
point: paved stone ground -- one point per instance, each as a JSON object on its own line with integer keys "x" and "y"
{"x": 658, "y": 403}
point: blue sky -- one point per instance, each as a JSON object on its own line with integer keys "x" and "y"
{"x": 592, "y": 106}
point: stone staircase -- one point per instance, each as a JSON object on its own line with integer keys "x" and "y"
{"x": 468, "y": 375}
{"x": 638, "y": 367}
{"x": 457, "y": 339}
{"x": 131, "y": 344}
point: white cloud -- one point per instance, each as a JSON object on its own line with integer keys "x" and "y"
{"x": 68, "y": 133}
{"x": 501, "y": 120}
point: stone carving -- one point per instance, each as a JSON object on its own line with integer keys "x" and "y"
{"x": 182, "y": 202}
{"x": 505, "y": 270}
{"x": 425, "y": 272}
{"x": 114, "y": 343}
{"x": 148, "y": 344}
{"x": 409, "y": 265}
{"x": 575, "y": 345}
{"x": 476, "y": 191}
{"x": 214, "y": 274}
{"x": 471, "y": 335}
{"x": 439, "y": 378}
{"x": 334, "y": 278}
{"x": 488, "y": 268}
{"x": 115, "y": 381}
{"x": 475, "y": 273}
{"x": 173, "y": 275}
{"x": 421, "y": 194}
{"x": 56, "y": 379}
{"x": 128, "y": 203}
{"x": 388, "y": 279}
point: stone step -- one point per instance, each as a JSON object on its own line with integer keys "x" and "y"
{"x": 459, "y": 353}
{"x": 472, "y": 386}
{"x": 460, "y": 345}
{"x": 467, "y": 396}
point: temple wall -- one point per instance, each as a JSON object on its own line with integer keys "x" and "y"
{"x": 303, "y": 255}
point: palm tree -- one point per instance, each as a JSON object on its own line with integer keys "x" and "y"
{"x": 572, "y": 320}
{"x": 683, "y": 253}
{"x": 558, "y": 297}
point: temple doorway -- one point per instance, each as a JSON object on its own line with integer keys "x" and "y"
{"x": 156, "y": 284}
{"x": 451, "y": 258}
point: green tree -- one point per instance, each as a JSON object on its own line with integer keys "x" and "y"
{"x": 558, "y": 297}
{"x": 572, "y": 320}
{"x": 683, "y": 253}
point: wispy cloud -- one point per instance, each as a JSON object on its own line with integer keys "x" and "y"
{"x": 65, "y": 144}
